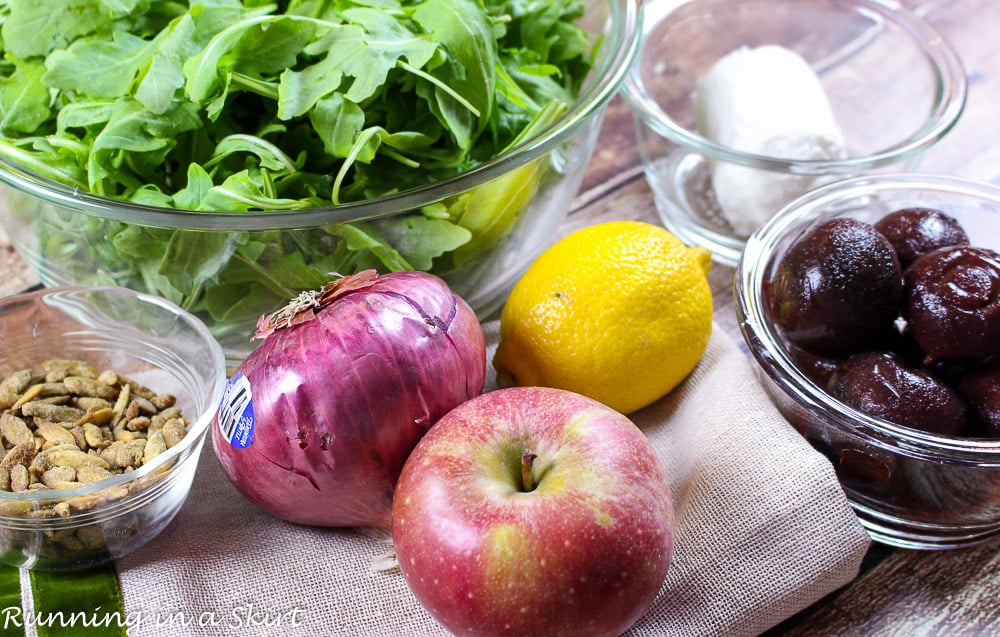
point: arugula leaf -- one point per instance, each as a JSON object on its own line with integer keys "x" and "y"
{"x": 204, "y": 72}
{"x": 38, "y": 27}
{"x": 465, "y": 31}
{"x": 490, "y": 211}
{"x": 97, "y": 67}
{"x": 387, "y": 41}
{"x": 86, "y": 115}
{"x": 421, "y": 239}
{"x": 164, "y": 75}
{"x": 270, "y": 156}
{"x": 361, "y": 237}
{"x": 192, "y": 258}
{"x": 131, "y": 128}
{"x": 24, "y": 99}
{"x": 337, "y": 121}
{"x": 199, "y": 182}
{"x": 298, "y": 91}
{"x": 244, "y": 191}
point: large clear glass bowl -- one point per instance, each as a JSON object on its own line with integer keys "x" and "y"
{"x": 63, "y": 234}
{"x": 143, "y": 337}
{"x": 894, "y": 84}
{"x": 909, "y": 488}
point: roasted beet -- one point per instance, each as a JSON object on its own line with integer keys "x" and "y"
{"x": 981, "y": 389}
{"x": 836, "y": 291}
{"x": 916, "y": 231}
{"x": 952, "y": 303}
{"x": 816, "y": 368}
{"x": 883, "y": 385}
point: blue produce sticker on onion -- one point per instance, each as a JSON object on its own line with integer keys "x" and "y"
{"x": 236, "y": 419}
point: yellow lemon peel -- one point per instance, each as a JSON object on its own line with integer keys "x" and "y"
{"x": 620, "y": 312}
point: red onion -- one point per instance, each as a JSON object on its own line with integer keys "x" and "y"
{"x": 316, "y": 423}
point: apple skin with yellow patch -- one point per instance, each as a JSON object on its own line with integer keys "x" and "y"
{"x": 534, "y": 511}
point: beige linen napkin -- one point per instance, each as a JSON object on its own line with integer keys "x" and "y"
{"x": 763, "y": 531}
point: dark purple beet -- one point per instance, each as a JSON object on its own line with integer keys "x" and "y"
{"x": 981, "y": 389}
{"x": 883, "y": 385}
{"x": 952, "y": 303}
{"x": 916, "y": 231}
{"x": 836, "y": 291}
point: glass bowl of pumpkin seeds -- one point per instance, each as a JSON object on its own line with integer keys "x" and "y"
{"x": 106, "y": 395}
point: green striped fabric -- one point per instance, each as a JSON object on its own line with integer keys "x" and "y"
{"x": 63, "y": 604}
{"x": 79, "y": 603}
{"x": 11, "y": 620}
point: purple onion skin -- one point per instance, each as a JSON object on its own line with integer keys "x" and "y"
{"x": 340, "y": 400}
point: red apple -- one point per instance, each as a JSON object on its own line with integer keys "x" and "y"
{"x": 534, "y": 511}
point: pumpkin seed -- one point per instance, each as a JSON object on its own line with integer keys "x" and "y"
{"x": 92, "y": 387}
{"x": 60, "y": 368}
{"x": 19, "y": 478}
{"x": 22, "y": 453}
{"x": 53, "y": 433}
{"x": 54, "y": 413}
{"x": 15, "y": 430}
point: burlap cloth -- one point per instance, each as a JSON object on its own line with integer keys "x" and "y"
{"x": 763, "y": 531}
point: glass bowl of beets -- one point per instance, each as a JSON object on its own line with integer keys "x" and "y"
{"x": 872, "y": 306}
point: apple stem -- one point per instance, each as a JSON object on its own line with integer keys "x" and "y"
{"x": 527, "y": 461}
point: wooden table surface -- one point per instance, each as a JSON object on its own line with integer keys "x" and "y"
{"x": 899, "y": 592}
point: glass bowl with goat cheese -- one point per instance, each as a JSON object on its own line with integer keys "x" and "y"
{"x": 237, "y": 155}
{"x": 742, "y": 105}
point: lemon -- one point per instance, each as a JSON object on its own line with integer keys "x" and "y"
{"x": 620, "y": 312}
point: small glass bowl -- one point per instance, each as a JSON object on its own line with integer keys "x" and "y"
{"x": 909, "y": 488}
{"x": 894, "y": 83}
{"x": 149, "y": 340}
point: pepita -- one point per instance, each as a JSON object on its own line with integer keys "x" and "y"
{"x": 17, "y": 382}
{"x": 23, "y": 453}
{"x": 94, "y": 436}
{"x": 55, "y": 475}
{"x": 53, "y": 413}
{"x": 53, "y": 433}
{"x": 19, "y": 478}
{"x": 14, "y": 430}
{"x": 81, "y": 386}
{"x": 60, "y": 368}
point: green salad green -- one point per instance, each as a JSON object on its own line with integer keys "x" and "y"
{"x": 228, "y": 105}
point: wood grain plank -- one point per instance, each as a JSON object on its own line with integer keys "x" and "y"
{"x": 970, "y": 149}
{"x": 947, "y": 593}
{"x": 616, "y": 152}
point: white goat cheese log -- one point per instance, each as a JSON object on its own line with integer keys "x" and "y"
{"x": 764, "y": 100}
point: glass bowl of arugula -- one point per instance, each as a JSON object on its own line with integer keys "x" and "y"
{"x": 228, "y": 155}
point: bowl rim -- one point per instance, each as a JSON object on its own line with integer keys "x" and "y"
{"x": 196, "y": 430}
{"x": 949, "y": 103}
{"x": 763, "y": 341}
{"x": 621, "y": 35}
